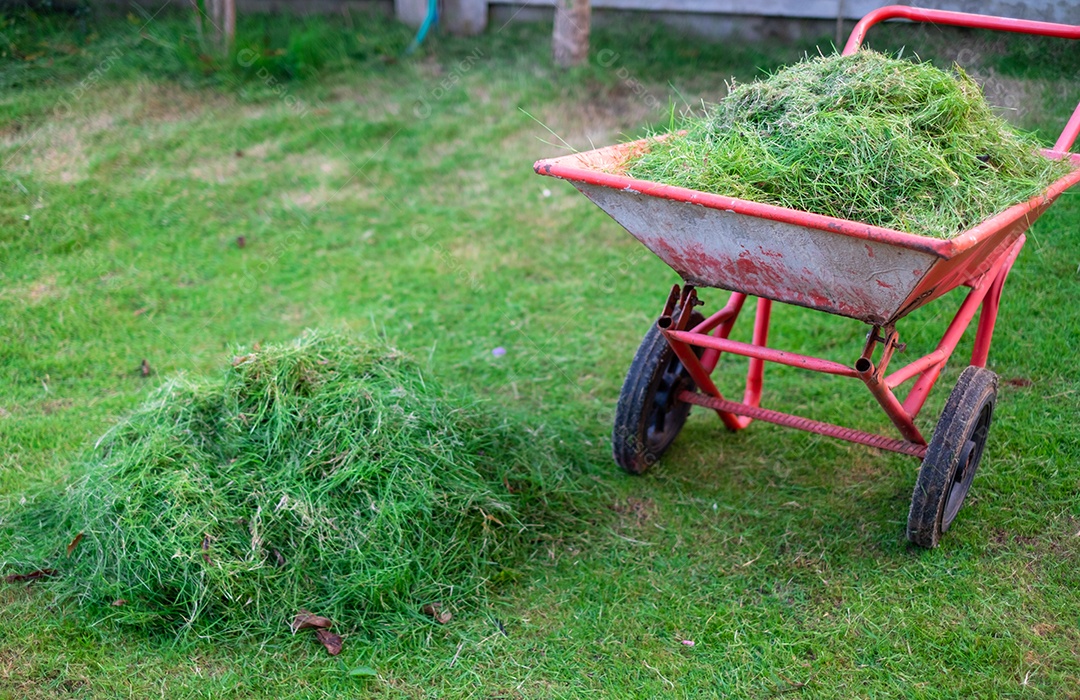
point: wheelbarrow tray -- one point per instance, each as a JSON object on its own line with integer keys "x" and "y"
{"x": 873, "y": 274}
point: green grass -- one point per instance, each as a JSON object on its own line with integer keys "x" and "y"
{"x": 871, "y": 138}
{"x": 328, "y": 475}
{"x": 780, "y": 554}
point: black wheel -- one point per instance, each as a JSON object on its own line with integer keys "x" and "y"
{"x": 649, "y": 415}
{"x": 952, "y": 456}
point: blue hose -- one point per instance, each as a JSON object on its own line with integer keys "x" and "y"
{"x": 429, "y": 21}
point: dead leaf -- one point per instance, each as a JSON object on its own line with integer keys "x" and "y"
{"x": 74, "y": 543}
{"x": 32, "y": 576}
{"x": 331, "y": 641}
{"x": 305, "y": 620}
{"x": 241, "y": 241}
{"x": 1019, "y": 381}
{"x": 240, "y": 359}
{"x": 118, "y": 602}
{"x": 278, "y": 558}
{"x": 206, "y": 548}
{"x": 145, "y": 369}
{"x": 435, "y": 610}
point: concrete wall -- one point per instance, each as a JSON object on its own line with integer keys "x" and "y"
{"x": 1064, "y": 11}
{"x": 313, "y": 6}
{"x": 744, "y": 17}
{"x": 708, "y": 17}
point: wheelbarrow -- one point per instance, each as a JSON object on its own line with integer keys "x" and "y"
{"x": 841, "y": 267}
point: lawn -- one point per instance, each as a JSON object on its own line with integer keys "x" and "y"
{"x": 157, "y": 212}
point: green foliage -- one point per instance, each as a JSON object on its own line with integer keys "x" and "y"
{"x": 888, "y": 142}
{"x": 1039, "y": 57}
{"x": 48, "y": 48}
{"x": 326, "y": 475}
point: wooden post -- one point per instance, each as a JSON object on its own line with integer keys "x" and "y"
{"x": 221, "y": 16}
{"x": 228, "y": 27}
{"x": 570, "y": 36}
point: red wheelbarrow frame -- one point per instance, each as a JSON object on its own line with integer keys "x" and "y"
{"x": 985, "y": 292}
{"x": 979, "y": 259}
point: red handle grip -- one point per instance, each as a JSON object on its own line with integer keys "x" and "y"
{"x": 964, "y": 19}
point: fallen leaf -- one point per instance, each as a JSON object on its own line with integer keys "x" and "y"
{"x": 278, "y": 558}
{"x": 435, "y": 610}
{"x": 331, "y": 641}
{"x": 241, "y": 241}
{"x": 32, "y": 576}
{"x": 1019, "y": 381}
{"x": 206, "y": 548}
{"x": 305, "y": 620}
{"x": 364, "y": 672}
{"x": 241, "y": 359}
{"x": 145, "y": 368}
{"x": 118, "y": 602}
{"x": 74, "y": 543}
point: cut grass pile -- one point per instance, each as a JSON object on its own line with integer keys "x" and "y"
{"x": 325, "y": 475}
{"x": 870, "y": 138}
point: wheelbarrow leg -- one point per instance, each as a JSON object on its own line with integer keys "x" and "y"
{"x": 979, "y": 295}
{"x": 723, "y": 321}
{"x": 874, "y": 378}
{"x": 988, "y": 315}
{"x": 756, "y": 371}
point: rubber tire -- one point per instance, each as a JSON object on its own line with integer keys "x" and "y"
{"x": 943, "y": 482}
{"x": 632, "y": 447}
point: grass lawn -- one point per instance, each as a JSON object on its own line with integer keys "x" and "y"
{"x": 151, "y": 214}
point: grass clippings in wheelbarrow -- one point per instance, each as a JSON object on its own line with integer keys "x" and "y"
{"x": 869, "y": 138}
{"x": 325, "y": 475}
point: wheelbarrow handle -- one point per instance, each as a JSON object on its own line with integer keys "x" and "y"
{"x": 964, "y": 19}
